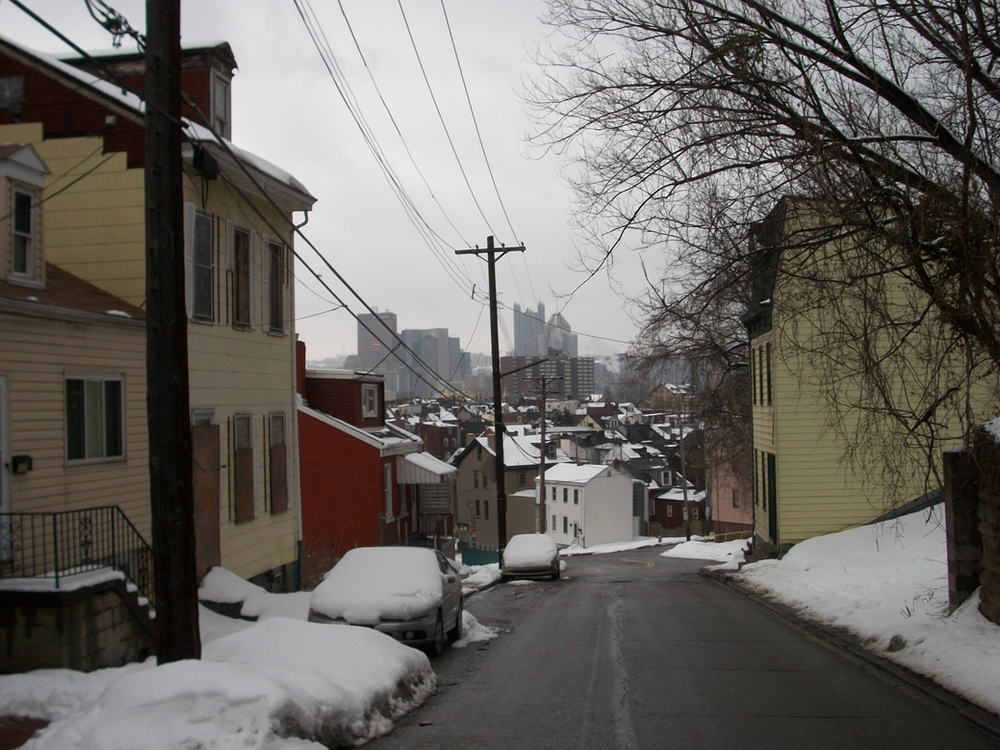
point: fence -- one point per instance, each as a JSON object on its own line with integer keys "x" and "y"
{"x": 479, "y": 554}
{"x": 56, "y": 545}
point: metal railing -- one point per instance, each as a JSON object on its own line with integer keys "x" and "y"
{"x": 57, "y": 545}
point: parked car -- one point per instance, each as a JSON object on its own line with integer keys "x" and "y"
{"x": 530, "y": 556}
{"x": 411, "y": 593}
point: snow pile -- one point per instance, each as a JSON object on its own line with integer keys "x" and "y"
{"x": 474, "y": 631}
{"x": 271, "y": 685}
{"x": 888, "y": 584}
{"x": 609, "y": 548}
{"x": 225, "y": 587}
{"x": 373, "y": 583}
{"x": 993, "y": 428}
{"x": 729, "y": 554}
{"x": 479, "y": 577}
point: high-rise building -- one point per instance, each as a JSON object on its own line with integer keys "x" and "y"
{"x": 375, "y": 345}
{"x": 430, "y": 348}
{"x": 571, "y": 377}
{"x": 529, "y": 332}
{"x": 559, "y": 337}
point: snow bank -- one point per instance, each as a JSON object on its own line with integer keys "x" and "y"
{"x": 269, "y": 686}
{"x": 479, "y": 577}
{"x": 730, "y": 554}
{"x": 610, "y": 547}
{"x": 225, "y": 587}
{"x": 888, "y": 584}
{"x": 474, "y": 631}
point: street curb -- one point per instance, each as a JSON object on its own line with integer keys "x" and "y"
{"x": 845, "y": 641}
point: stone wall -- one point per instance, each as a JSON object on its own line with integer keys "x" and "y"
{"x": 88, "y": 628}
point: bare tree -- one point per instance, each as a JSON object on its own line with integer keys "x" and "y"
{"x": 689, "y": 119}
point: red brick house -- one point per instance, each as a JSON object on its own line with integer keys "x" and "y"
{"x": 667, "y": 514}
{"x": 364, "y": 482}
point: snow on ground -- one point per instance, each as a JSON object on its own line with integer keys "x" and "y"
{"x": 606, "y": 549}
{"x": 225, "y": 587}
{"x": 888, "y": 584}
{"x": 729, "y": 554}
{"x": 276, "y": 685}
{"x": 478, "y": 577}
{"x": 474, "y": 631}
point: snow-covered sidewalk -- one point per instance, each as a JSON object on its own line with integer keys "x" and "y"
{"x": 888, "y": 585}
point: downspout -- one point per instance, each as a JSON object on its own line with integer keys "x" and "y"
{"x": 295, "y": 414}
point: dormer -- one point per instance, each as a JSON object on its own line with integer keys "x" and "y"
{"x": 22, "y": 180}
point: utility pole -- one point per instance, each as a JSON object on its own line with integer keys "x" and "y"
{"x": 542, "y": 396}
{"x": 492, "y": 255}
{"x": 167, "y": 405}
{"x": 684, "y": 486}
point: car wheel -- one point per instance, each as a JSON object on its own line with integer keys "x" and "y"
{"x": 456, "y": 632}
{"x": 437, "y": 647}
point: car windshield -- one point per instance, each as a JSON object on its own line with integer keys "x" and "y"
{"x": 380, "y": 583}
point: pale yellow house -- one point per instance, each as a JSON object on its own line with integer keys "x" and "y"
{"x": 238, "y": 218}
{"x": 72, "y": 376}
{"x": 826, "y": 455}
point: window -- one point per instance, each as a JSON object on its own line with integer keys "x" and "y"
{"x": 221, "y": 107}
{"x": 670, "y": 511}
{"x": 94, "y": 418}
{"x": 522, "y": 479}
{"x": 736, "y": 498}
{"x": 565, "y": 494}
{"x": 369, "y": 400}
{"x": 387, "y": 490}
{"x": 278, "y": 463}
{"x": 565, "y": 525}
{"x": 276, "y": 287}
{"x": 553, "y": 523}
{"x": 202, "y": 270}
{"x": 475, "y": 479}
{"x": 553, "y": 494}
{"x": 694, "y": 512}
{"x": 486, "y": 482}
{"x": 767, "y": 367}
{"x": 576, "y": 497}
{"x": 477, "y": 509}
{"x": 760, "y": 375}
{"x": 753, "y": 374}
{"x": 243, "y": 494}
{"x": 550, "y": 451}
{"x": 242, "y": 279}
{"x": 486, "y": 509}
{"x": 23, "y": 261}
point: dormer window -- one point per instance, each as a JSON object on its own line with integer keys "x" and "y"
{"x": 22, "y": 179}
{"x": 221, "y": 107}
{"x": 25, "y": 222}
{"x": 369, "y": 400}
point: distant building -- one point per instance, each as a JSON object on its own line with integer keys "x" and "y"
{"x": 573, "y": 377}
{"x": 374, "y": 332}
{"x": 529, "y": 331}
{"x": 559, "y": 336}
{"x": 432, "y": 361}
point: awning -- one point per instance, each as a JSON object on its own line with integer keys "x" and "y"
{"x": 423, "y": 468}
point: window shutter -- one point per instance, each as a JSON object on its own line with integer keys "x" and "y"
{"x": 230, "y": 246}
{"x": 265, "y": 271}
{"x": 189, "y": 259}
{"x": 252, "y": 262}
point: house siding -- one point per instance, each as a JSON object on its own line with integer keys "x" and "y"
{"x": 37, "y": 355}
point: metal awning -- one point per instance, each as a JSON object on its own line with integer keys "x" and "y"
{"x": 423, "y": 468}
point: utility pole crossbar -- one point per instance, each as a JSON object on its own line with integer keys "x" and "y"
{"x": 492, "y": 254}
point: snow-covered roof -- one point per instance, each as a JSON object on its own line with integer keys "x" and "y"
{"x": 676, "y": 493}
{"x": 423, "y": 468}
{"x": 569, "y": 473}
{"x": 389, "y": 439}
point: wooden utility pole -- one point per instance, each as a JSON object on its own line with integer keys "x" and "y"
{"x": 170, "y": 468}
{"x": 542, "y": 396}
{"x": 492, "y": 255}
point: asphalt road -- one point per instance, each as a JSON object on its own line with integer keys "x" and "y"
{"x": 634, "y": 651}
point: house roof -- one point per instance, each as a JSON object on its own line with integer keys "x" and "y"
{"x": 389, "y": 439}
{"x": 568, "y": 473}
{"x": 21, "y": 162}
{"x": 67, "y": 296}
{"x": 423, "y": 468}
{"x": 277, "y": 182}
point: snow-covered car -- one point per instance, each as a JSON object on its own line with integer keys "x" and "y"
{"x": 410, "y": 593}
{"x": 530, "y": 556}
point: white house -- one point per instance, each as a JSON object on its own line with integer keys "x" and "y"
{"x": 589, "y": 504}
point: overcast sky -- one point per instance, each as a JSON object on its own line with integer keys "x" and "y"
{"x": 287, "y": 109}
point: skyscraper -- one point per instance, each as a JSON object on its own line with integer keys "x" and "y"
{"x": 374, "y": 345}
{"x": 529, "y": 332}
